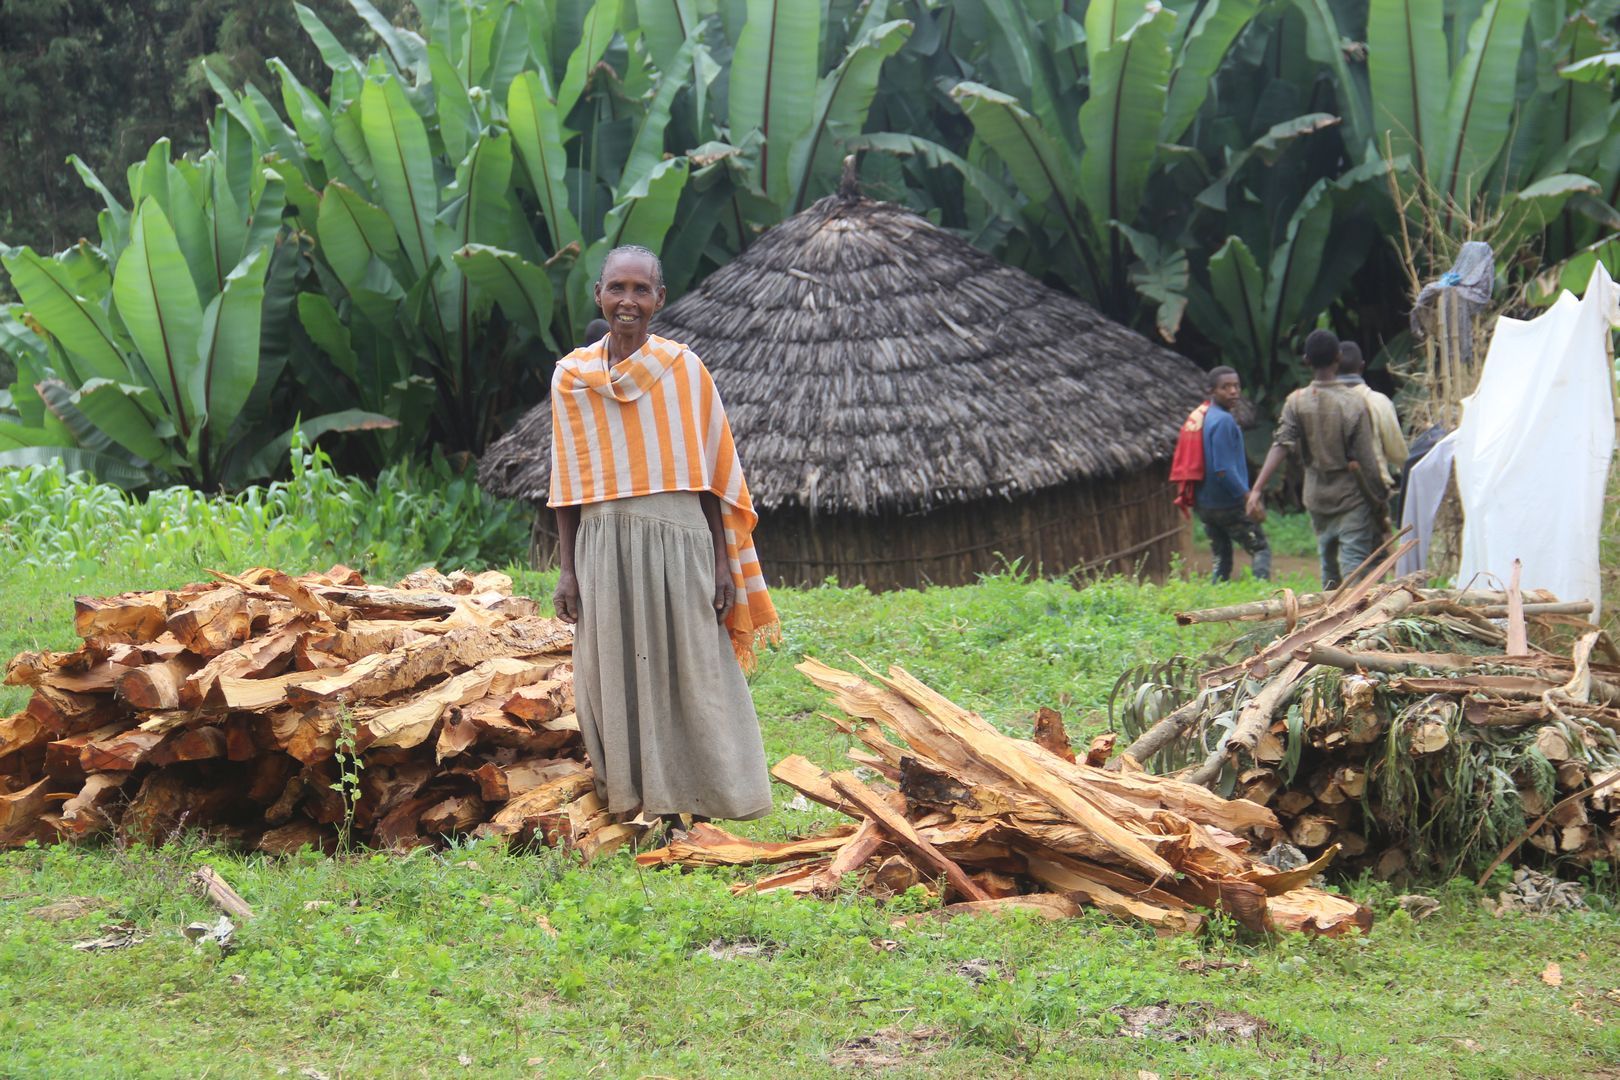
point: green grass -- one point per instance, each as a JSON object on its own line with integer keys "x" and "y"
{"x": 438, "y": 964}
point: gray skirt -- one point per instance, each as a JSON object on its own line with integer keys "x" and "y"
{"x": 662, "y": 703}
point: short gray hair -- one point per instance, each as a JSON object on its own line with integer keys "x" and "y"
{"x": 639, "y": 252}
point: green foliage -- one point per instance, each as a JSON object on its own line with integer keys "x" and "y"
{"x": 1223, "y": 173}
{"x": 151, "y": 346}
{"x": 349, "y": 765}
{"x": 415, "y": 514}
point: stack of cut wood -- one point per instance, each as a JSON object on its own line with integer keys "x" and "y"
{"x": 1418, "y": 730}
{"x": 241, "y": 704}
{"x": 996, "y": 821}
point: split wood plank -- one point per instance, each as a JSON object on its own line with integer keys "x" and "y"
{"x": 899, "y": 829}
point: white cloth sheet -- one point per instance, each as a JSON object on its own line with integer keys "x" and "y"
{"x": 1534, "y": 447}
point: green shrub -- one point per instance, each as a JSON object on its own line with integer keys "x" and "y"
{"x": 415, "y": 514}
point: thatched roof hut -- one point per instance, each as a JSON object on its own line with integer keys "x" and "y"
{"x": 908, "y": 409}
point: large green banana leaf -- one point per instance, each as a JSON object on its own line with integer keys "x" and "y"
{"x": 992, "y": 191}
{"x": 397, "y": 141}
{"x": 228, "y": 361}
{"x": 352, "y": 233}
{"x": 1031, "y": 57}
{"x": 457, "y": 124}
{"x": 325, "y": 328}
{"x": 1406, "y": 41}
{"x": 648, "y": 148}
{"x": 82, "y": 327}
{"x": 773, "y": 83}
{"x": 1204, "y": 47}
{"x": 121, "y": 414}
{"x": 1325, "y": 45}
{"x": 665, "y": 27}
{"x": 601, "y": 23}
{"x": 1041, "y": 167}
{"x": 114, "y": 220}
{"x": 538, "y": 133}
{"x": 1120, "y": 121}
{"x": 523, "y": 290}
{"x": 843, "y": 99}
{"x": 643, "y": 214}
{"x": 1479, "y": 106}
{"x": 1239, "y": 287}
{"x": 159, "y": 306}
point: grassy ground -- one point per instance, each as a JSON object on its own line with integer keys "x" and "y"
{"x": 480, "y": 963}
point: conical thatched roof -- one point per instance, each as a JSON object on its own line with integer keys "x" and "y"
{"x": 871, "y": 362}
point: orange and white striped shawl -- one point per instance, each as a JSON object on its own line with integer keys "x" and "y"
{"x": 654, "y": 423}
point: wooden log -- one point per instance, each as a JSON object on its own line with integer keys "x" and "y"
{"x": 262, "y": 657}
{"x": 62, "y": 712}
{"x": 1325, "y": 788}
{"x": 1429, "y": 737}
{"x": 498, "y": 783}
{"x": 518, "y": 817}
{"x": 400, "y": 827}
{"x": 1572, "y": 774}
{"x": 542, "y": 701}
{"x": 270, "y": 774}
{"x": 262, "y": 695}
{"x": 1162, "y": 734}
{"x": 706, "y": 844}
{"x": 411, "y": 723}
{"x": 1257, "y": 714}
{"x": 408, "y": 666}
{"x": 1259, "y": 785}
{"x": 19, "y": 731}
{"x": 20, "y": 812}
{"x": 1351, "y": 780}
{"x": 453, "y": 816}
{"x": 1294, "y": 802}
{"x": 292, "y": 837}
{"x": 131, "y": 618}
{"x": 1312, "y": 830}
{"x": 62, "y": 755}
{"x": 217, "y": 891}
{"x": 1553, "y": 744}
{"x": 896, "y": 874}
{"x": 157, "y": 686}
{"x": 900, "y": 831}
{"x": 173, "y": 797}
{"x": 191, "y": 744}
{"x": 214, "y": 621}
{"x": 120, "y": 752}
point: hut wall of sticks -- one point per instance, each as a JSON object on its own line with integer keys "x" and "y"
{"x": 909, "y": 410}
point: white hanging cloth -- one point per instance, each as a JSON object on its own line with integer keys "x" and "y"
{"x": 1534, "y": 446}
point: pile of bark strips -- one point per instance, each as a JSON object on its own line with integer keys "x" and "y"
{"x": 240, "y": 704}
{"x": 1416, "y": 731}
{"x": 994, "y": 822}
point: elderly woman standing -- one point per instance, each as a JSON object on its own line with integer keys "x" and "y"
{"x": 659, "y": 572}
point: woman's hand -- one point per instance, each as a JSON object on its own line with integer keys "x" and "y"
{"x": 566, "y": 598}
{"x": 725, "y": 591}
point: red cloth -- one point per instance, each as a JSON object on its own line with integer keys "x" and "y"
{"x": 1187, "y": 466}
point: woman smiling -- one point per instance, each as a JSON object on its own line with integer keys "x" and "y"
{"x": 659, "y": 572}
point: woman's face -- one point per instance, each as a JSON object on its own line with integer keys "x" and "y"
{"x": 629, "y": 295}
